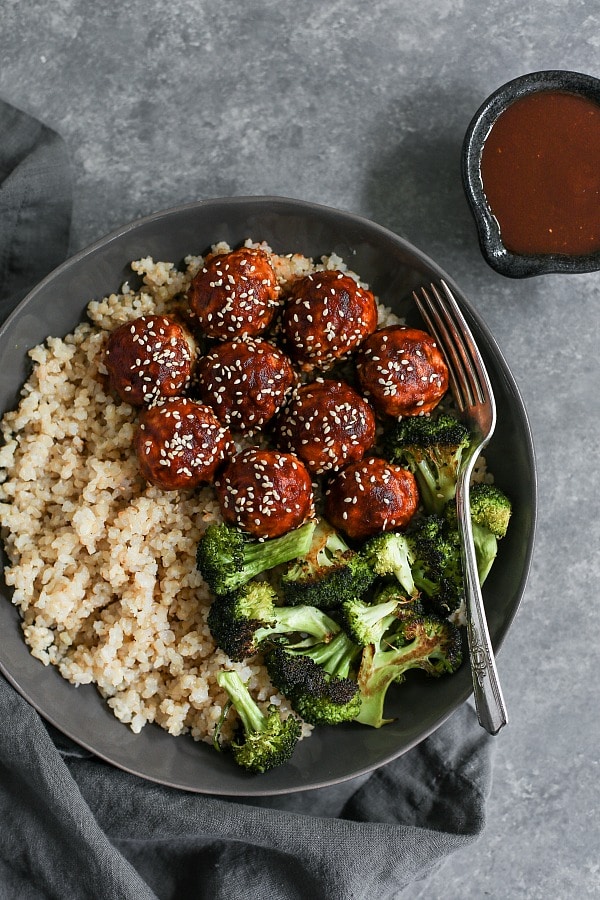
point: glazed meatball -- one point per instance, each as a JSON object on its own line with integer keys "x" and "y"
{"x": 265, "y": 492}
{"x": 325, "y": 317}
{"x": 245, "y": 382}
{"x": 327, "y": 424}
{"x": 402, "y": 371}
{"x": 234, "y": 294}
{"x": 369, "y": 497}
{"x": 180, "y": 444}
{"x": 149, "y": 358}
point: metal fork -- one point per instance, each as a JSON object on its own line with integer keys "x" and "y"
{"x": 472, "y": 391}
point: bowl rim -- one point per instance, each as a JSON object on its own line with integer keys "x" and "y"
{"x": 490, "y": 348}
{"x": 504, "y": 261}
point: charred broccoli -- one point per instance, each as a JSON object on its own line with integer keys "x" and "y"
{"x": 490, "y": 514}
{"x": 390, "y": 553}
{"x": 264, "y": 740}
{"x": 437, "y": 564}
{"x": 367, "y": 623}
{"x": 316, "y": 679}
{"x": 490, "y": 508}
{"x": 328, "y": 573}
{"x": 407, "y": 606}
{"x": 228, "y": 558}
{"x": 420, "y": 642}
{"x": 240, "y": 621}
{"x": 432, "y": 448}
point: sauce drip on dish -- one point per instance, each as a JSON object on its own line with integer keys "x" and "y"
{"x": 540, "y": 169}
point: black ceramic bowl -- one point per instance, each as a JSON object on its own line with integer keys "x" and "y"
{"x": 393, "y": 268}
{"x": 511, "y": 264}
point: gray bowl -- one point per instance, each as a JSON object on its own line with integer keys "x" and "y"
{"x": 504, "y": 261}
{"x": 393, "y": 268}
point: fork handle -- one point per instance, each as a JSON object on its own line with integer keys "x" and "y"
{"x": 489, "y": 702}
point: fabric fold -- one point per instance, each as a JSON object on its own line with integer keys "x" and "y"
{"x": 35, "y": 202}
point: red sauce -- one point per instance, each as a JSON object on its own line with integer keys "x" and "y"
{"x": 540, "y": 168}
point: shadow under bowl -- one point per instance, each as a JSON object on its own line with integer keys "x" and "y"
{"x": 498, "y": 256}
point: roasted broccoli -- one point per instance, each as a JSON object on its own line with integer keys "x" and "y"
{"x": 420, "y": 642}
{"x": 437, "y": 563}
{"x": 328, "y": 573}
{"x": 407, "y": 606}
{"x": 432, "y": 449}
{"x": 490, "y": 514}
{"x": 228, "y": 558}
{"x": 240, "y": 621}
{"x": 367, "y": 623}
{"x": 316, "y": 680}
{"x": 264, "y": 740}
{"x": 390, "y": 553}
{"x": 490, "y": 508}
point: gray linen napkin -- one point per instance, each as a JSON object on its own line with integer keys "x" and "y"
{"x": 35, "y": 204}
{"x": 76, "y": 828}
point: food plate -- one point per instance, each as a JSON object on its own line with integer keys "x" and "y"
{"x": 392, "y": 268}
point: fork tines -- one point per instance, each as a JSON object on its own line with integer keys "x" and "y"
{"x": 469, "y": 381}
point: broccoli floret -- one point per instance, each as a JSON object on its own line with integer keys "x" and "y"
{"x": 432, "y": 449}
{"x": 328, "y": 573}
{"x": 437, "y": 564}
{"x": 242, "y": 620}
{"x": 371, "y": 623}
{"x": 426, "y": 642}
{"x": 408, "y": 607}
{"x": 366, "y": 623}
{"x": 490, "y": 514}
{"x": 390, "y": 553}
{"x": 316, "y": 679}
{"x": 490, "y": 508}
{"x": 336, "y": 657}
{"x": 228, "y": 558}
{"x": 266, "y": 740}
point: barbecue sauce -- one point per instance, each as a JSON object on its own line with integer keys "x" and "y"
{"x": 540, "y": 169}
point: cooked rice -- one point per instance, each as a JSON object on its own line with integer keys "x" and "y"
{"x": 102, "y": 564}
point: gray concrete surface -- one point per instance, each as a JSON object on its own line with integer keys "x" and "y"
{"x": 364, "y": 106}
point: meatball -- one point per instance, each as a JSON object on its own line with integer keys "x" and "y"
{"x": 265, "y": 492}
{"x": 325, "y": 317}
{"x": 327, "y": 424}
{"x": 402, "y": 371}
{"x": 234, "y": 294}
{"x": 246, "y": 382}
{"x": 149, "y": 358}
{"x": 369, "y": 497}
{"x": 180, "y": 444}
